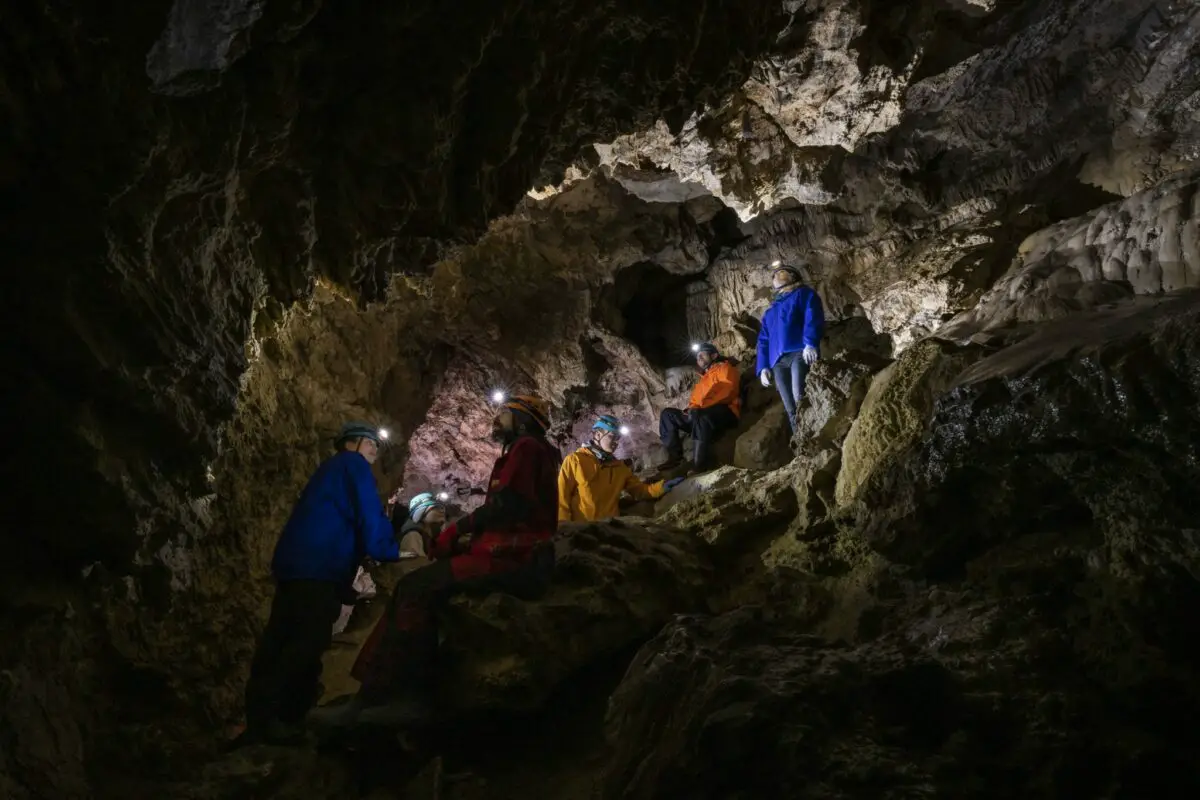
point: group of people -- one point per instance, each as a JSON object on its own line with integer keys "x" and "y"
{"x": 504, "y": 545}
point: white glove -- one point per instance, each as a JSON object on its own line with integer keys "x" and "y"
{"x": 810, "y": 355}
{"x": 765, "y": 377}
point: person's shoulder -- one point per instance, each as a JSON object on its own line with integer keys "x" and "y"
{"x": 350, "y": 461}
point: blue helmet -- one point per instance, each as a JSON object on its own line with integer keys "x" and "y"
{"x": 607, "y": 423}
{"x": 708, "y": 347}
{"x": 358, "y": 430}
{"x": 420, "y": 505}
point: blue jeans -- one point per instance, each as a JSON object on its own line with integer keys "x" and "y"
{"x": 790, "y": 374}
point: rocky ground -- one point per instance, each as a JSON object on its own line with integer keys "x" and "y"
{"x": 233, "y": 225}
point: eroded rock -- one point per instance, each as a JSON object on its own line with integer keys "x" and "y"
{"x": 767, "y": 444}
{"x": 833, "y": 393}
{"x": 615, "y": 583}
{"x": 896, "y": 410}
{"x": 1087, "y": 423}
{"x": 960, "y": 696}
{"x": 1148, "y": 244}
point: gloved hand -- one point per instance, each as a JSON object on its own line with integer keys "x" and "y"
{"x": 671, "y": 484}
{"x": 765, "y": 377}
{"x": 810, "y": 355}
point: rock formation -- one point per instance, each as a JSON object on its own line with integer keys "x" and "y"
{"x": 233, "y": 225}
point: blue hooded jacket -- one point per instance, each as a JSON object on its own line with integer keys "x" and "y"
{"x": 794, "y": 321}
{"x": 337, "y": 521}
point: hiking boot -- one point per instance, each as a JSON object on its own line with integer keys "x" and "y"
{"x": 337, "y": 715}
{"x": 671, "y": 463}
{"x": 398, "y": 713}
{"x": 282, "y": 734}
{"x": 274, "y": 732}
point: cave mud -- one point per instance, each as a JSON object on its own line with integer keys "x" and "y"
{"x": 231, "y": 226}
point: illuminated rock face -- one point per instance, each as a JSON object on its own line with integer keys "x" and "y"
{"x": 232, "y": 226}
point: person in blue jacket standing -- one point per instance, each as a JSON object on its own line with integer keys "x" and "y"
{"x": 337, "y": 522}
{"x": 789, "y": 341}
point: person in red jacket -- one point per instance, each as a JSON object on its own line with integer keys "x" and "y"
{"x": 504, "y": 545}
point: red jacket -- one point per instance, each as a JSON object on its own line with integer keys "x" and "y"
{"x": 521, "y": 507}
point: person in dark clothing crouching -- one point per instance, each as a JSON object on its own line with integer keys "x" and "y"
{"x": 337, "y": 522}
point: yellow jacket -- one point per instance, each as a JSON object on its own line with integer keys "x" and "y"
{"x": 589, "y": 489}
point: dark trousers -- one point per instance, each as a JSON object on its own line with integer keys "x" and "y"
{"x": 285, "y": 677}
{"x": 399, "y": 659}
{"x": 703, "y": 424}
{"x": 790, "y": 373}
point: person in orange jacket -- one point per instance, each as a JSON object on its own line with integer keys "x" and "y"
{"x": 592, "y": 478}
{"x": 714, "y": 407}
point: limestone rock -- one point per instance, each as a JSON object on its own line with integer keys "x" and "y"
{"x": 911, "y": 201}
{"x": 1086, "y": 423}
{"x": 959, "y": 697}
{"x": 896, "y": 410}
{"x": 285, "y": 773}
{"x": 737, "y": 512}
{"x": 766, "y": 445}
{"x": 833, "y": 393}
{"x": 615, "y": 584}
{"x": 1145, "y": 245}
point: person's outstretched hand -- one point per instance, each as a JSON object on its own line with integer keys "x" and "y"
{"x": 671, "y": 484}
{"x": 765, "y": 377}
{"x": 810, "y": 355}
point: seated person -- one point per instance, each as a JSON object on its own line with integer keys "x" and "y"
{"x": 714, "y": 407}
{"x": 592, "y": 478}
{"x": 420, "y": 526}
{"x": 504, "y": 545}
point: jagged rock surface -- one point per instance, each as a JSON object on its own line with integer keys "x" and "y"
{"x": 187, "y": 309}
{"x": 1034, "y": 646}
{"x": 615, "y": 583}
{"x": 150, "y": 279}
{"x": 896, "y": 410}
{"x": 1147, "y": 244}
{"x": 908, "y": 148}
{"x": 1085, "y": 423}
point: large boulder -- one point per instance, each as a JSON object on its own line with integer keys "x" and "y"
{"x": 964, "y": 695}
{"x": 766, "y": 445}
{"x": 1087, "y": 422}
{"x": 615, "y": 584}
{"x": 731, "y": 509}
{"x": 833, "y": 394}
{"x": 896, "y": 410}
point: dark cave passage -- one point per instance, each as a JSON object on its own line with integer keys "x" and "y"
{"x": 648, "y": 305}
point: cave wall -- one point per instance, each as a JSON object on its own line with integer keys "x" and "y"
{"x": 194, "y": 195}
{"x": 907, "y": 149}
{"x": 227, "y": 245}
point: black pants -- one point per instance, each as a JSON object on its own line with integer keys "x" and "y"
{"x": 286, "y": 674}
{"x": 704, "y": 424}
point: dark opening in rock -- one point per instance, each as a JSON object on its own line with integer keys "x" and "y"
{"x": 648, "y": 306}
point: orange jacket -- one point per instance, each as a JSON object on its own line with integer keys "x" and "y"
{"x": 721, "y": 384}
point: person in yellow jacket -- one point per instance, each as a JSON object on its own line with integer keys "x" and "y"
{"x": 714, "y": 407}
{"x": 591, "y": 479}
